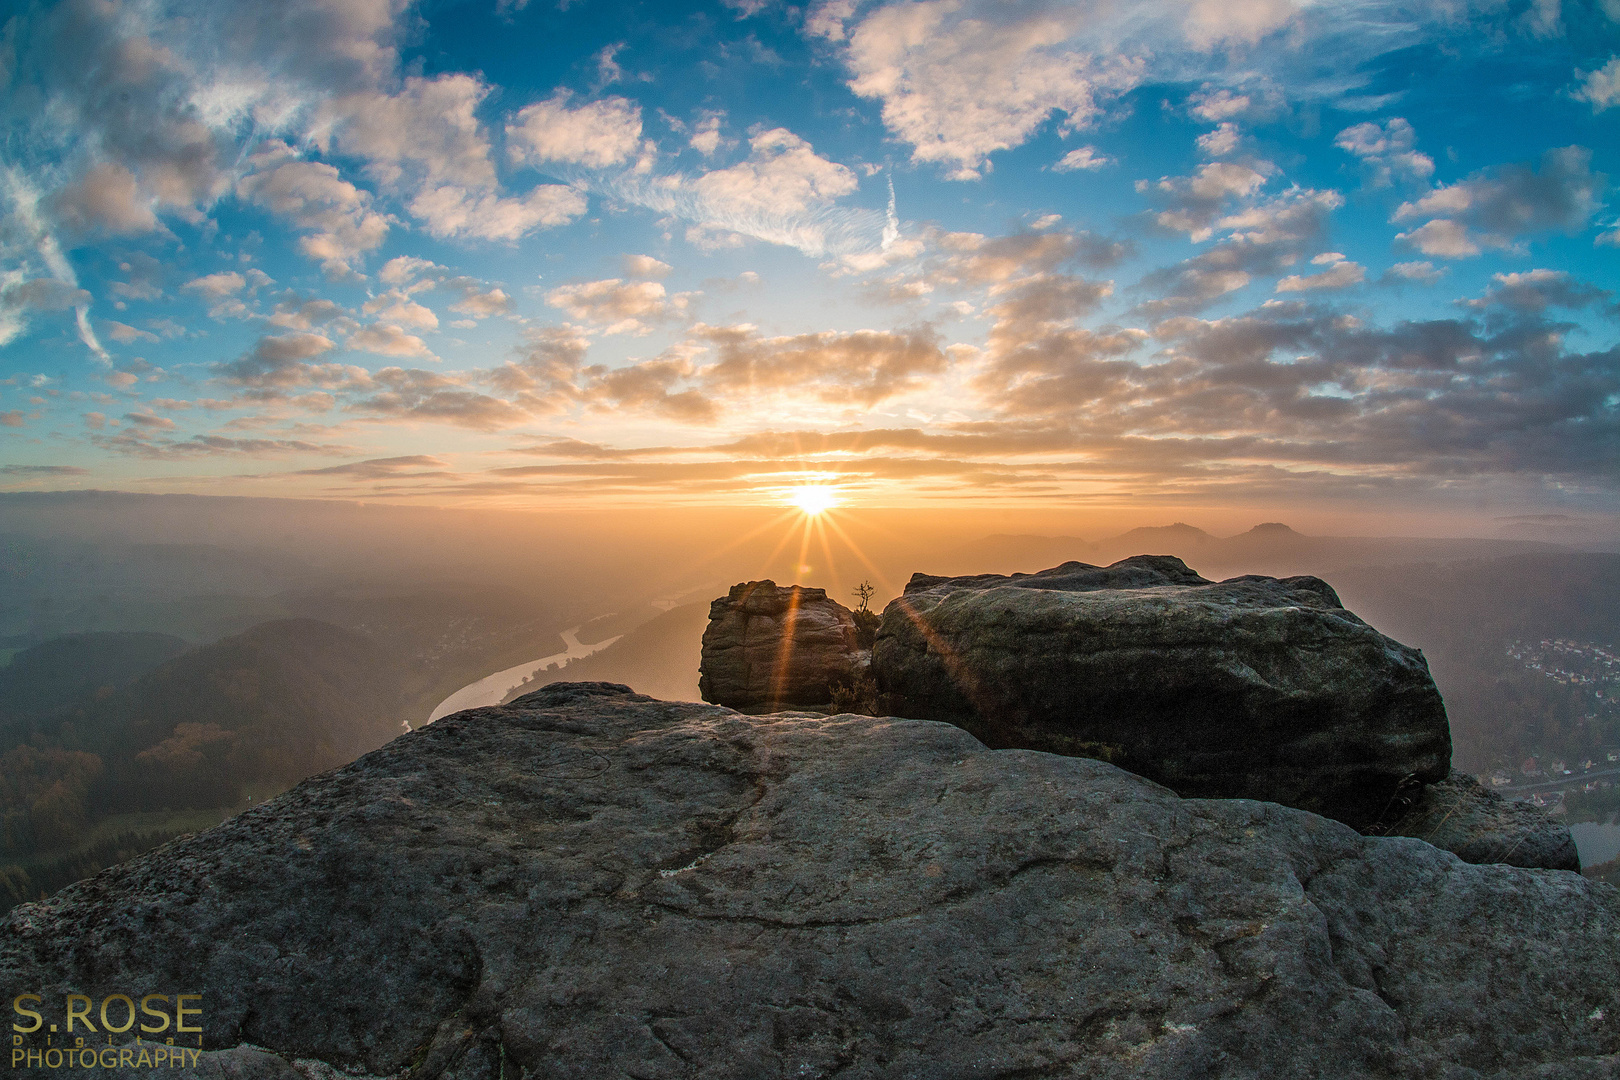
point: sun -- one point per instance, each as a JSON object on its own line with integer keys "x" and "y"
{"x": 812, "y": 499}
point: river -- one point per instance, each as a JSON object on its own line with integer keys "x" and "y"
{"x": 1596, "y": 843}
{"x": 492, "y": 688}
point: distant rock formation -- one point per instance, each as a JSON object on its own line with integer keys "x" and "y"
{"x": 590, "y": 883}
{"x": 769, "y": 648}
{"x": 1253, "y": 688}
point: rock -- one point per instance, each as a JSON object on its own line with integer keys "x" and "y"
{"x": 589, "y": 883}
{"x": 1249, "y": 688}
{"x": 1480, "y": 826}
{"x": 769, "y": 648}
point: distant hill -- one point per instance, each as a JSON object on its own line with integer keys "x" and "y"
{"x": 69, "y": 669}
{"x": 659, "y": 658}
{"x": 1269, "y": 548}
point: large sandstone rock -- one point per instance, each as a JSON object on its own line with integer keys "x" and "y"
{"x": 1250, "y": 688}
{"x": 769, "y": 648}
{"x": 1480, "y": 826}
{"x": 589, "y": 883}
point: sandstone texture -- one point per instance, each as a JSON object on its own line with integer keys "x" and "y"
{"x": 1255, "y": 687}
{"x": 1480, "y": 826}
{"x": 589, "y": 883}
{"x": 769, "y": 648}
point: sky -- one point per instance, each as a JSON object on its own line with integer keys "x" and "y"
{"x": 1360, "y": 257}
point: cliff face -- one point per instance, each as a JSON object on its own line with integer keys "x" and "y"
{"x": 769, "y": 648}
{"x": 591, "y": 883}
{"x": 1256, "y": 687}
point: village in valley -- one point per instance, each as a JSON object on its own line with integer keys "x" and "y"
{"x": 1587, "y": 782}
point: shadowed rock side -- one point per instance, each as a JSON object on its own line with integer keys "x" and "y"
{"x": 1249, "y": 688}
{"x": 588, "y": 883}
{"x": 769, "y": 648}
{"x": 1480, "y": 826}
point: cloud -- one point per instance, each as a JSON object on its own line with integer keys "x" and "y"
{"x": 481, "y": 305}
{"x": 1416, "y": 271}
{"x": 454, "y": 211}
{"x": 706, "y": 138}
{"x": 398, "y": 308}
{"x": 1220, "y": 142}
{"x": 217, "y": 286}
{"x": 1536, "y": 290}
{"x": 295, "y": 312}
{"x": 596, "y": 134}
{"x": 1496, "y": 207}
{"x": 1085, "y": 158}
{"x": 783, "y": 176}
{"x": 403, "y": 269}
{"x": 959, "y": 82}
{"x": 124, "y": 333}
{"x": 417, "y": 465}
{"x": 1195, "y": 201}
{"x": 425, "y": 140}
{"x": 280, "y": 361}
{"x": 105, "y": 197}
{"x": 410, "y": 394}
{"x": 861, "y": 368}
{"x": 1341, "y": 275}
{"x": 1386, "y": 152}
{"x": 1263, "y": 238}
{"x": 386, "y": 339}
{"x": 644, "y": 266}
{"x": 975, "y": 258}
{"x": 336, "y": 216}
{"x": 1601, "y": 88}
{"x": 626, "y": 307}
{"x": 43, "y": 470}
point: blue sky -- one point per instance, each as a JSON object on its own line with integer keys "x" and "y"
{"x": 1257, "y": 253}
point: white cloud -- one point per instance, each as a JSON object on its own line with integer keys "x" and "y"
{"x": 706, "y": 136}
{"x": 385, "y": 339}
{"x": 428, "y": 129}
{"x": 217, "y": 285}
{"x": 960, "y": 83}
{"x": 1416, "y": 271}
{"x": 337, "y": 216}
{"x": 1496, "y": 207}
{"x": 1386, "y": 152}
{"x": 782, "y": 176}
{"x": 105, "y": 197}
{"x": 1341, "y": 275}
{"x": 1220, "y": 142}
{"x": 403, "y": 269}
{"x": 1441, "y": 237}
{"x": 1086, "y": 157}
{"x": 1601, "y": 87}
{"x": 645, "y": 266}
{"x": 624, "y": 306}
{"x": 483, "y": 305}
{"x": 397, "y": 308}
{"x": 597, "y": 134}
{"x": 1218, "y": 105}
{"x": 455, "y": 211}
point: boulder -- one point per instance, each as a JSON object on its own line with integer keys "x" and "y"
{"x": 589, "y": 883}
{"x": 1256, "y": 687}
{"x": 769, "y": 648}
{"x": 1480, "y": 826}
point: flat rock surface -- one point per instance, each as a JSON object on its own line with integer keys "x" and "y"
{"x": 1480, "y": 826}
{"x": 588, "y": 883}
{"x": 771, "y": 647}
{"x": 1255, "y": 687}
